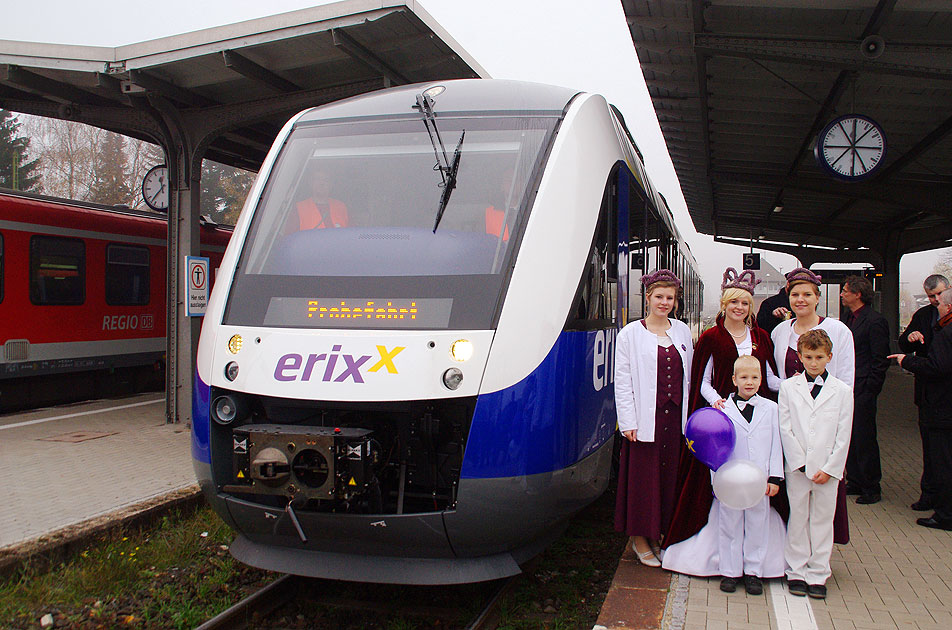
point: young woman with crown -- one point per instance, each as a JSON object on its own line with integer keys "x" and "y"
{"x": 803, "y": 289}
{"x": 652, "y": 369}
{"x": 735, "y": 333}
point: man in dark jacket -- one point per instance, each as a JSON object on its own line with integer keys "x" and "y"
{"x": 916, "y": 339}
{"x": 871, "y": 345}
{"x": 934, "y": 371}
{"x": 773, "y": 310}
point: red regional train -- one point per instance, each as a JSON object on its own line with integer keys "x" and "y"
{"x": 83, "y": 290}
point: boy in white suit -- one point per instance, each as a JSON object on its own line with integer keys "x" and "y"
{"x": 816, "y": 417}
{"x": 737, "y": 543}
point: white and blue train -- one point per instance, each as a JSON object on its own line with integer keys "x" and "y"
{"x": 405, "y": 370}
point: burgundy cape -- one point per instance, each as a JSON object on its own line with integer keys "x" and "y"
{"x": 695, "y": 493}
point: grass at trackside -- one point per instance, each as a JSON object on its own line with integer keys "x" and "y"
{"x": 174, "y": 575}
{"x": 572, "y": 576}
{"x": 179, "y": 573}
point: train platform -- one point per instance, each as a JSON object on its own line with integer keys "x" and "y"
{"x": 72, "y": 464}
{"x": 893, "y": 574}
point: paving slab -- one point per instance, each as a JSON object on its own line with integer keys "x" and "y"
{"x": 50, "y": 484}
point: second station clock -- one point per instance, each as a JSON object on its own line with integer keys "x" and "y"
{"x": 155, "y": 188}
{"x": 851, "y": 147}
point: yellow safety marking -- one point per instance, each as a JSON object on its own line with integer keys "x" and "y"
{"x": 241, "y": 475}
{"x": 352, "y": 482}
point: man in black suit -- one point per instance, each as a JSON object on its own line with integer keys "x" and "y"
{"x": 934, "y": 373}
{"x": 916, "y": 339}
{"x": 773, "y": 310}
{"x": 871, "y": 347}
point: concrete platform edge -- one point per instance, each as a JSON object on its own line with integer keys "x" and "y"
{"x": 46, "y": 551}
{"x": 637, "y": 597}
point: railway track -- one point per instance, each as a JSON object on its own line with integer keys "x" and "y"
{"x": 258, "y": 609}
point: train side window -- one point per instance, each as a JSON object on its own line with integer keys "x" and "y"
{"x": 127, "y": 275}
{"x": 57, "y": 270}
{"x": 595, "y": 300}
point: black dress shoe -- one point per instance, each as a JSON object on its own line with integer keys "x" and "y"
{"x": 922, "y": 505}
{"x": 817, "y": 591}
{"x": 853, "y": 489}
{"x": 935, "y": 523}
{"x": 797, "y": 587}
{"x": 729, "y": 584}
{"x": 869, "y": 498}
{"x": 753, "y": 585}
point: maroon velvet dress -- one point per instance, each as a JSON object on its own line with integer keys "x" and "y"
{"x": 647, "y": 474}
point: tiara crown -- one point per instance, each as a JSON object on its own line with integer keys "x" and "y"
{"x": 803, "y": 274}
{"x": 745, "y": 280}
{"x": 661, "y": 275}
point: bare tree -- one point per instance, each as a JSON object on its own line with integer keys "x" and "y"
{"x": 72, "y": 158}
{"x": 65, "y": 151}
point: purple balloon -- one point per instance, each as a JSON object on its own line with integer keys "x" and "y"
{"x": 709, "y": 434}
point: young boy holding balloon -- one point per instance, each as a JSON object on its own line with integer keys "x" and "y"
{"x": 744, "y": 536}
{"x": 816, "y": 418}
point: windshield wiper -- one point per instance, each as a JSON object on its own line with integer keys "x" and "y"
{"x": 449, "y": 183}
{"x": 447, "y": 169}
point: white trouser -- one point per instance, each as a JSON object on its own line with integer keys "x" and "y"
{"x": 810, "y": 528}
{"x": 742, "y": 539}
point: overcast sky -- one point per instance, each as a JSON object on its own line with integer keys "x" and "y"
{"x": 579, "y": 44}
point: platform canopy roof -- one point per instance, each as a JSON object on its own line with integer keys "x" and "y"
{"x": 742, "y": 88}
{"x": 244, "y": 80}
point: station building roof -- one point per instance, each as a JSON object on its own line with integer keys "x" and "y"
{"x": 248, "y": 77}
{"x": 742, "y": 88}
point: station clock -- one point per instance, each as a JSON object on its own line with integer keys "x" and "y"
{"x": 851, "y": 147}
{"x": 155, "y": 188}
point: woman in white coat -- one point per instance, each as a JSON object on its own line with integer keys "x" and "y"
{"x": 803, "y": 289}
{"x": 652, "y": 368}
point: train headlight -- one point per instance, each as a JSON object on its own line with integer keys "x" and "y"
{"x": 227, "y": 408}
{"x": 231, "y": 371}
{"x": 234, "y": 344}
{"x": 462, "y": 350}
{"x": 452, "y": 378}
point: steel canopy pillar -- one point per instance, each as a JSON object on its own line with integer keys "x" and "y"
{"x": 185, "y": 146}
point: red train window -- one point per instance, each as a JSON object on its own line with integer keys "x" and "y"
{"x": 127, "y": 275}
{"x": 57, "y": 270}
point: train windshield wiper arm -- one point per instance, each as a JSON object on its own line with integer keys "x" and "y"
{"x": 449, "y": 183}
{"x": 446, "y": 168}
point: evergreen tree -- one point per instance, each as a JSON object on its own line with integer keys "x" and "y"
{"x": 110, "y": 183}
{"x": 16, "y": 169}
{"x": 223, "y": 191}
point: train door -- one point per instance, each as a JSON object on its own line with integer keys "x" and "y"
{"x": 622, "y": 192}
{"x": 643, "y": 246}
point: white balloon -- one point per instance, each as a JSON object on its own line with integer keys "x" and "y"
{"x": 740, "y": 484}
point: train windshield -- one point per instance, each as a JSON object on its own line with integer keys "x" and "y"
{"x": 356, "y": 227}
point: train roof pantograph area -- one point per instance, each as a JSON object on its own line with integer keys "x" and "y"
{"x": 743, "y": 89}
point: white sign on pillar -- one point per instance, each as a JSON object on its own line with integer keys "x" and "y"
{"x": 196, "y": 282}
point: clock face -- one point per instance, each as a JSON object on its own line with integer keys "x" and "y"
{"x": 155, "y": 188}
{"x": 851, "y": 147}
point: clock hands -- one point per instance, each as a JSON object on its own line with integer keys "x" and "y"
{"x": 154, "y": 189}
{"x": 159, "y": 191}
{"x": 853, "y": 148}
